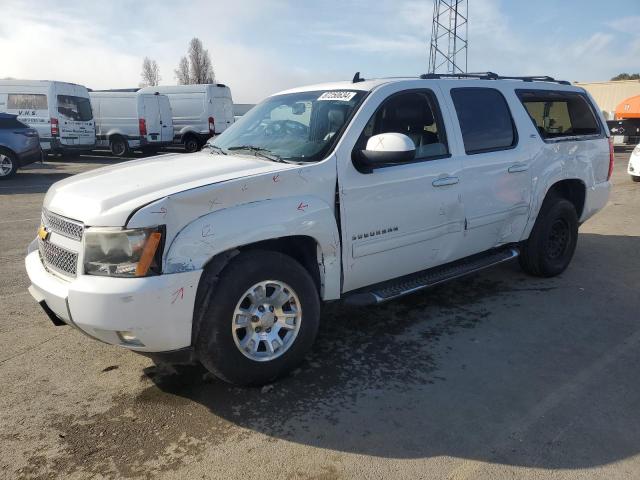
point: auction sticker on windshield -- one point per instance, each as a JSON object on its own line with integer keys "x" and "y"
{"x": 338, "y": 95}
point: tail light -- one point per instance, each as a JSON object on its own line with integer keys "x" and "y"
{"x": 142, "y": 126}
{"x": 212, "y": 125}
{"x": 55, "y": 130}
{"x": 611, "y": 158}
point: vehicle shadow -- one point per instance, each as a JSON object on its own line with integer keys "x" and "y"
{"x": 499, "y": 367}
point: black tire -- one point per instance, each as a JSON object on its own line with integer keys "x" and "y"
{"x": 191, "y": 144}
{"x": 635, "y": 178}
{"x": 119, "y": 146}
{"x": 215, "y": 345}
{"x": 550, "y": 247}
{"x": 8, "y": 164}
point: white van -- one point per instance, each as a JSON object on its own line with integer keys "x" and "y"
{"x": 199, "y": 111}
{"x": 59, "y": 111}
{"x": 128, "y": 121}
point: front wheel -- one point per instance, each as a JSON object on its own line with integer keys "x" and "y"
{"x": 550, "y": 247}
{"x": 261, "y": 319}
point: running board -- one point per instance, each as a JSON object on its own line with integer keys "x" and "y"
{"x": 399, "y": 287}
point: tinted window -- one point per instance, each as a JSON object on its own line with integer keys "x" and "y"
{"x": 26, "y": 101}
{"x": 414, "y": 114}
{"x": 559, "y": 114}
{"x": 11, "y": 123}
{"x": 75, "y": 108}
{"x": 485, "y": 119}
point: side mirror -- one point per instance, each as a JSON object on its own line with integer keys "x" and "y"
{"x": 387, "y": 149}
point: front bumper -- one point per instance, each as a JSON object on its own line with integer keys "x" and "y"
{"x": 157, "y": 310}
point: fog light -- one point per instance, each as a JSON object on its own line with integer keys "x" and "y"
{"x": 129, "y": 338}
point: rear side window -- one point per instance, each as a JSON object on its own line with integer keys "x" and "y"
{"x": 485, "y": 119}
{"x": 75, "y": 108}
{"x": 559, "y": 114}
{"x": 26, "y": 101}
{"x": 11, "y": 123}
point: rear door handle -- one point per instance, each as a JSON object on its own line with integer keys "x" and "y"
{"x": 518, "y": 167}
{"x": 443, "y": 182}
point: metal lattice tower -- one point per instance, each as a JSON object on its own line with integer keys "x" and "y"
{"x": 448, "y": 51}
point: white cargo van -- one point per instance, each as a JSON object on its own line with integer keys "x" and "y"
{"x": 128, "y": 121}
{"x": 59, "y": 111}
{"x": 199, "y": 111}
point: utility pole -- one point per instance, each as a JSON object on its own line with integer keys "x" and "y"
{"x": 448, "y": 50}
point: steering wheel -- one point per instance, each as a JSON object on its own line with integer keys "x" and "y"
{"x": 286, "y": 127}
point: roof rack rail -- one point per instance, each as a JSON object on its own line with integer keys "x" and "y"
{"x": 492, "y": 76}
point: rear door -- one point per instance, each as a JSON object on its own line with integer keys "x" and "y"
{"x": 151, "y": 108}
{"x": 166, "y": 122}
{"x": 496, "y": 174}
{"x": 222, "y": 113}
{"x": 75, "y": 116}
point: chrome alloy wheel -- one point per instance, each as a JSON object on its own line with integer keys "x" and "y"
{"x": 266, "y": 320}
{"x": 6, "y": 165}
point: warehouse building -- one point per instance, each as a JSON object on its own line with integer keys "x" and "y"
{"x": 608, "y": 95}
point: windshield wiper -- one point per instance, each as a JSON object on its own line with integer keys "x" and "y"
{"x": 259, "y": 152}
{"x": 215, "y": 148}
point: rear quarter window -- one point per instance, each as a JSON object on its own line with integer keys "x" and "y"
{"x": 560, "y": 114}
{"x": 485, "y": 119}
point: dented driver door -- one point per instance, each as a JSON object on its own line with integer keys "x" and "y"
{"x": 403, "y": 218}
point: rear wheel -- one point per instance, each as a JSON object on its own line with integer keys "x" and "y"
{"x": 261, "y": 319}
{"x": 8, "y": 164}
{"x": 635, "y": 178}
{"x": 191, "y": 144}
{"x": 119, "y": 146}
{"x": 550, "y": 247}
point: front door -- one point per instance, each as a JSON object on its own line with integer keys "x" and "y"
{"x": 407, "y": 217}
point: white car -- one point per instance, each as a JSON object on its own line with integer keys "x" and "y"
{"x": 363, "y": 191}
{"x": 634, "y": 164}
{"x": 59, "y": 111}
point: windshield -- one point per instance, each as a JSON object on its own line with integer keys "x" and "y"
{"x": 75, "y": 108}
{"x": 298, "y": 127}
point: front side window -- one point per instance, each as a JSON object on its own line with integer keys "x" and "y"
{"x": 559, "y": 114}
{"x": 75, "y": 108}
{"x": 485, "y": 119}
{"x": 297, "y": 127}
{"x": 26, "y": 101}
{"x": 414, "y": 114}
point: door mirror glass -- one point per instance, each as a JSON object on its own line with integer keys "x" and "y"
{"x": 388, "y": 149}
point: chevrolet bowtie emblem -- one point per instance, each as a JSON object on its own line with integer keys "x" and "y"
{"x": 43, "y": 234}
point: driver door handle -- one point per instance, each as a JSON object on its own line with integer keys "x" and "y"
{"x": 518, "y": 167}
{"x": 444, "y": 181}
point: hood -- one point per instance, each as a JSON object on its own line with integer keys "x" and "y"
{"x": 107, "y": 196}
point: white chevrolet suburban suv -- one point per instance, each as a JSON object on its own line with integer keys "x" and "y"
{"x": 363, "y": 191}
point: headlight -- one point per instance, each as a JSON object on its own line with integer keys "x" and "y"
{"x": 132, "y": 252}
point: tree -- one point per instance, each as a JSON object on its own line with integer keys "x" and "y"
{"x": 196, "y": 67}
{"x": 626, "y": 76}
{"x": 150, "y": 73}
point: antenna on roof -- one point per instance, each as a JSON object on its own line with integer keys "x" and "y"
{"x": 357, "y": 79}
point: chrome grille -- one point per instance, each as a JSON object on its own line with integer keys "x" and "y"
{"x": 57, "y": 258}
{"x": 64, "y": 226}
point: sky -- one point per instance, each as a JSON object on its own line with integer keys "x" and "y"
{"x": 259, "y": 47}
